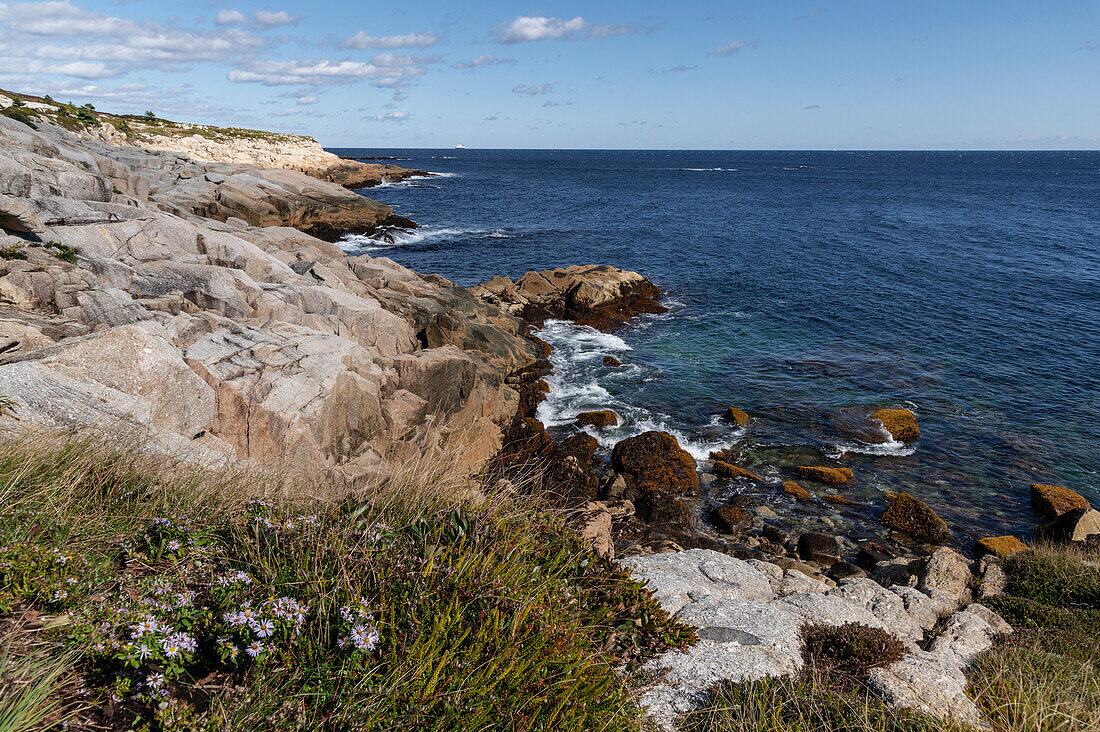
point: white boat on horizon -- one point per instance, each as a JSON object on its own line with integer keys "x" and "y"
{"x": 460, "y": 147}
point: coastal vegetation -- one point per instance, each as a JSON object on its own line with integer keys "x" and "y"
{"x": 147, "y": 594}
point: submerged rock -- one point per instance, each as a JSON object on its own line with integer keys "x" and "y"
{"x": 1051, "y": 501}
{"x": 900, "y": 423}
{"x": 792, "y": 488}
{"x": 612, "y": 362}
{"x": 825, "y": 474}
{"x": 725, "y": 470}
{"x": 914, "y": 517}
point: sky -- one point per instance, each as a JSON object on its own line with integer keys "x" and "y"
{"x": 686, "y": 75}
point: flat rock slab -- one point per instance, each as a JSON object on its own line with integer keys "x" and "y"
{"x": 749, "y": 617}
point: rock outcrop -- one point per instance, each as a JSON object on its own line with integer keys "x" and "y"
{"x": 163, "y": 294}
{"x": 749, "y": 616}
{"x": 658, "y": 475}
{"x": 600, "y": 296}
{"x": 1051, "y": 501}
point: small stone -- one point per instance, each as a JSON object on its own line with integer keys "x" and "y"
{"x": 1001, "y": 546}
{"x": 900, "y": 423}
{"x": 732, "y": 472}
{"x": 914, "y": 517}
{"x": 601, "y": 419}
{"x": 612, "y": 361}
{"x": 735, "y": 415}
{"x": 1051, "y": 501}
{"x": 776, "y": 534}
{"x": 791, "y": 488}
{"x": 766, "y": 512}
{"x": 825, "y": 474}
{"x": 818, "y": 547}
{"x": 843, "y": 570}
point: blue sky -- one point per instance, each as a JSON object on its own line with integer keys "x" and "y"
{"x": 701, "y": 75}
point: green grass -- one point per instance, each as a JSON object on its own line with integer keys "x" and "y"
{"x": 396, "y": 606}
{"x": 30, "y": 685}
{"x": 803, "y": 705}
{"x": 1046, "y": 676}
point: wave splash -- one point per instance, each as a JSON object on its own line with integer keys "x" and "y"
{"x": 361, "y": 243}
{"x": 581, "y": 382}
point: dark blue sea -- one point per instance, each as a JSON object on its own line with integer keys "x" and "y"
{"x": 806, "y": 288}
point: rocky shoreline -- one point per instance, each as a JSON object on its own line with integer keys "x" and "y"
{"x": 202, "y": 304}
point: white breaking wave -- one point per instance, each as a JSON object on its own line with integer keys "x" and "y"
{"x": 579, "y": 384}
{"x": 710, "y": 170}
{"x": 359, "y": 243}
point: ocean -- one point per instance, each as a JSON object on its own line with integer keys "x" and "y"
{"x": 805, "y": 288}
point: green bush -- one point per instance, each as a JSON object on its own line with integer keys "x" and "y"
{"x": 850, "y": 650}
{"x": 19, "y": 115}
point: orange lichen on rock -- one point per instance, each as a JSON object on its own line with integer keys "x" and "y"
{"x": 728, "y": 518}
{"x": 824, "y": 474}
{"x": 733, "y": 414}
{"x": 1052, "y": 501}
{"x": 725, "y": 470}
{"x": 1001, "y": 546}
{"x": 792, "y": 488}
{"x": 900, "y": 423}
{"x": 914, "y": 517}
{"x": 600, "y": 419}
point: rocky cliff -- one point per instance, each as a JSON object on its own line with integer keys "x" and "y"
{"x": 147, "y": 289}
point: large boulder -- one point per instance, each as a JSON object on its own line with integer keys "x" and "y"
{"x": 1076, "y": 525}
{"x": 658, "y": 473}
{"x": 1051, "y": 501}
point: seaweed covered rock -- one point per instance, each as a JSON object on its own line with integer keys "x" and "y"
{"x": 612, "y": 362}
{"x": 738, "y": 417}
{"x": 574, "y": 468}
{"x": 900, "y": 423}
{"x": 600, "y": 419}
{"x": 791, "y": 488}
{"x": 729, "y": 518}
{"x": 657, "y": 472}
{"x": 725, "y": 470}
{"x": 913, "y": 516}
{"x": 825, "y": 474}
{"x": 1051, "y": 501}
{"x": 999, "y": 546}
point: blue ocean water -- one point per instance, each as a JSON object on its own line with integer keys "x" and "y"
{"x": 804, "y": 288}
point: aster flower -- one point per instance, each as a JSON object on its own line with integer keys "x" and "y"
{"x": 264, "y": 628}
{"x": 254, "y": 649}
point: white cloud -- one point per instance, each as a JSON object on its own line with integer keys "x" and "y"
{"x": 269, "y": 19}
{"x": 77, "y": 69}
{"x": 389, "y": 117}
{"x": 533, "y": 90}
{"x": 112, "y": 46}
{"x": 731, "y": 48}
{"x": 230, "y": 17}
{"x": 680, "y": 68}
{"x": 483, "y": 60}
{"x": 528, "y": 28}
{"x": 362, "y": 40}
{"x": 321, "y": 72}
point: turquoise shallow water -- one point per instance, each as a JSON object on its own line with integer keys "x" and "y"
{"x": 806, "y": 288}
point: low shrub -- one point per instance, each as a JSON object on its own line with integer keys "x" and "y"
{"x": 849, "y": 651}
{"x": 19, "y": 115}
{"x": 12, "y": 252}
